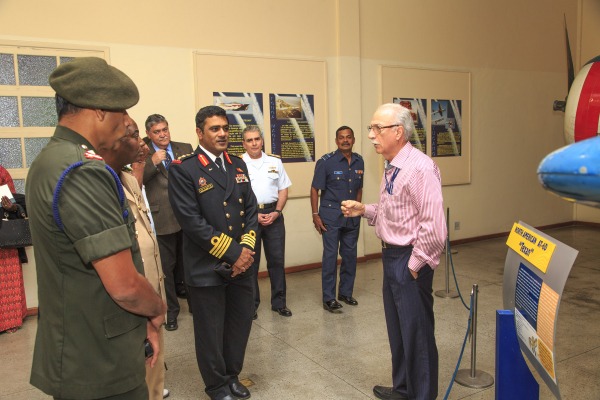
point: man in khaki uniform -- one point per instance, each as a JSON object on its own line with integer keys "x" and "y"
{"x": 95, "y": 306}
{"x": 132, "y": 150}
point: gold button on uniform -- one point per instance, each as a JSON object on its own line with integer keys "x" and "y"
{"x": 224, "y": 204}
{"x": 227, "y": 215}
{"x": 242, "y": 213}
{"x": 243, "y": 225}
{"x": 230, "y": 228}
{"x": 241, "y": 200}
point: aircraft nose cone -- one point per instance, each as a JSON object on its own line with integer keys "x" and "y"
{"x": 573, "y": 172}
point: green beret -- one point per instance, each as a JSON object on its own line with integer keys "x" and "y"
{"x": 89, "y": 82}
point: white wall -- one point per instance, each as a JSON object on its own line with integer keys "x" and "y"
{"x": 513, "y": 49}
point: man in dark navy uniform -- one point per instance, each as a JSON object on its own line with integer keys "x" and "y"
{"x": 213, "y": 202}
{"x": 339, "y": 177}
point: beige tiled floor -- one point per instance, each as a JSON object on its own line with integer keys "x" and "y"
{"x": 318, "y": 355}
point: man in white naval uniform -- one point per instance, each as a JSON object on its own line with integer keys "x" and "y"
{"x": 270, "y": 185}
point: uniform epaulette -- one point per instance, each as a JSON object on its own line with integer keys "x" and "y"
{"x": 233, "y": 155}
{"x": 274, "y": 155}
{"x": 185, "y": 156}
{"x": 328, "y": 155}
{"x": 358, "y": 155}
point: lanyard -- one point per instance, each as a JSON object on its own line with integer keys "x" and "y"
{"x": 389, "y": 185}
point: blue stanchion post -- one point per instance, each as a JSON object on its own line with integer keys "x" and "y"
{"x": 514, "y": 380}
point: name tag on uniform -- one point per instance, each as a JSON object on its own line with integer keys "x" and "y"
{"x": 338, "y": 172}
{"x": 241, "y": 178}
{"x": 204, "y": 186}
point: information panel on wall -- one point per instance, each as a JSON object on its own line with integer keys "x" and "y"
{"x": 440, "y": 103}
{"x": 285, "y": 98}
{"x": 293, "y": 127}
{"x": 536, "y": 269}
{"x": 243, "y": 109}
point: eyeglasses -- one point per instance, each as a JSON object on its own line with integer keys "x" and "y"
{"x": 378, "y": 128}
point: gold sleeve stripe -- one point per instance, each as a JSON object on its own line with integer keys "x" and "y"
{"x": 220, "y": 245}
{"x": 249, "y": 239}
{"x": 250, "y": 243}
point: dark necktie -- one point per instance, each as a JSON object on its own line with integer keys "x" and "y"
{"x": 168, "y": 160}
{"x": 219, "y": 163}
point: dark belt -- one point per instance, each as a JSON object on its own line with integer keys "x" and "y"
{"x": 392, "y": 246}
{"x": 270, "y": 205}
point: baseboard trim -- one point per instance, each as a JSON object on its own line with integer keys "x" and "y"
{"x": 375, "y": 256}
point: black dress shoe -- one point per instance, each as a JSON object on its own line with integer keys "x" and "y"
{"x": 171, "y": 325}
{"x": 283, "y": 311}
{"x": 387, "y": 393}
{"x": 348, "y": 300}
{"x": 239, "y": 390}
{"x": 332, "y": 306}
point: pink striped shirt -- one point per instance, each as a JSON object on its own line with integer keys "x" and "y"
{"x": 413, "y": 214}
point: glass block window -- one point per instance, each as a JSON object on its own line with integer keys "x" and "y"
{"x": 9, "y": 111}
{"x": 33, "y": 146}
{"x": 11, "y": 153}
{"x": 27, "y": 104}
{"x": 39, "y": 111}
{"x": 66, "y": 59}
{"x": 35, "y": 70}
{"x": 7, "y": 70}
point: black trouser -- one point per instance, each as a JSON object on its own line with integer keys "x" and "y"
{"x": 222, "y": 323}
{"x": 171, "y": 254}
{"x": 408, "y": 305}
{"x": 272, "y": 238}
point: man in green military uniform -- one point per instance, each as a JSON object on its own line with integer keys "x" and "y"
{"x": 95, "y": 306}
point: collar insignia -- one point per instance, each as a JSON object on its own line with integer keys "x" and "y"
{"x": 203, "y": 160}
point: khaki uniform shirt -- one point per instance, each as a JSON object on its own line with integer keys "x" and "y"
{"x": 155, "y": 377}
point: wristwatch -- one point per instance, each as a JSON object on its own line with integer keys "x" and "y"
{"x": 278, "y": 211}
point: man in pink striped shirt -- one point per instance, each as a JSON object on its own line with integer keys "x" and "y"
{"x": 409, "y": 220}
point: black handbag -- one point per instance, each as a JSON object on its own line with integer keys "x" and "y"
{"x": 14, "y": 233}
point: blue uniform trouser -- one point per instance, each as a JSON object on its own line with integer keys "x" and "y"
{"x": 346, "y": 238}
{"x": 272, "y": 238}
{"x": 408, "y": 305}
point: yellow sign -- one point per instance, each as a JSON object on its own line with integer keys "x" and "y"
{"x": 531, "y": 246}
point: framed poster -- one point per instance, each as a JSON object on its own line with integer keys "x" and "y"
{"x": 254, "y": 76}
{"x": 448, "y": 95}
{"x": 243, "y": 109}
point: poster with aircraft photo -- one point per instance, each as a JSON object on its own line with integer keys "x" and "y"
{"x": 418, "y": 111}
{"x": 293, "y": 127}
{"x": 446, "y": 128}
{"x": 243, "y": 109}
